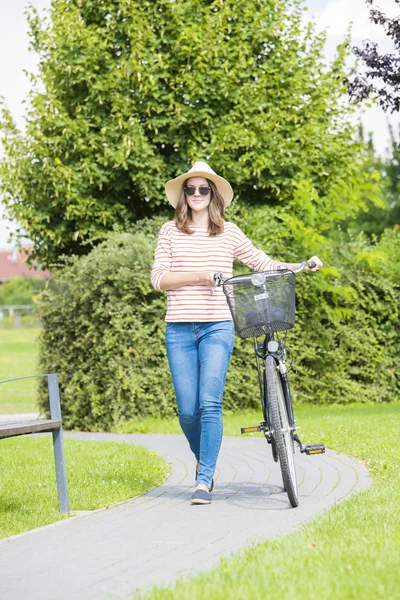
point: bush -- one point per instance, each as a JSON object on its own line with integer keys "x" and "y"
{"x": 102, "y": 331}
{"x": 346, "y": 341}
{"x": 103, "y": 328}
{"x": 20, "y": 290}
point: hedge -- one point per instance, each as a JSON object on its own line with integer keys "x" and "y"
{"x": 103, "y": 328}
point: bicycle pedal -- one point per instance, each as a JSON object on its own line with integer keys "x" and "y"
{"x": 250, "y": 429}
{"x": 313, "y": 449}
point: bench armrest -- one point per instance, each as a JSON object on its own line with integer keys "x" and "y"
{"x": 54, "y": 394}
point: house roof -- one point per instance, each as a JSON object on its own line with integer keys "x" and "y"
{"x": 14, "y": 264}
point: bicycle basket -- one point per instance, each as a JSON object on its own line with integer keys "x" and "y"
{"x": 262, "y": 302}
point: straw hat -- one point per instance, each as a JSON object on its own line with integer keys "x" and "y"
{"x": 173, "y": 188}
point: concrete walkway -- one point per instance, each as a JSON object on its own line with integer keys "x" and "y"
{"x": 160, "y": 536}
{"x": 13, "y": 418}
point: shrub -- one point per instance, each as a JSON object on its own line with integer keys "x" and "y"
{"x": 103, "y": 328}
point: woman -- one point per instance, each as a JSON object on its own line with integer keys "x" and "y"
{"x": 200, "y": 332}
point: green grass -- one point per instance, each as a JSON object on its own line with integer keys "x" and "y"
{"x": 351, "y": 552}
{"x": 18, "y": 358}
{"x": 100, "y": 474}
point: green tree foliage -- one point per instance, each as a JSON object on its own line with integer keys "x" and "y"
{"x": 377, "y": 216}
{"x": 130, "y": 92}
{"x": 392, "y": 178}
{"x": 103, "y": 328}
{"x": 20, "y": 290}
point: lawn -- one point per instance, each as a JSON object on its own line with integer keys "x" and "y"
{"x": 351, "y": 552}
{"x": 18, "y": 358}
{"x": 100, "y": 474}
{"x": 109, "y": 473}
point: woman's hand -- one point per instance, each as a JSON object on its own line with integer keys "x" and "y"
{"x": 207, "y": 277}
{"x": 318, "y": 265}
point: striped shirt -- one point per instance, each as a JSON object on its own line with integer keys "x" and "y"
{"x": 179, "y": 252}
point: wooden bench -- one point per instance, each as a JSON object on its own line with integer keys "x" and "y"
{"x": 53, "y": 425}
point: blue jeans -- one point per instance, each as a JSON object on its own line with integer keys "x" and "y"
{"x": 198, "y": 356}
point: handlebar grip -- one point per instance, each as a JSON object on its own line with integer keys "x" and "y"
{"x": 311, "y": 264}
{"x": 218, "y": 278}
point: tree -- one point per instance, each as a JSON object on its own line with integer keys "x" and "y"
{"x": 382, "y": 77}
{"x": 377, "y": 217}
{"x": 20, "y": 290}
{"x": 392, "y": 171}
{"x": 130, "y": 92}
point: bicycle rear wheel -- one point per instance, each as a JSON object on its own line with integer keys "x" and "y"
{"x": 281, "y": 431}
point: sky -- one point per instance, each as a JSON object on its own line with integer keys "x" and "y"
{"x": 334, "y": 16}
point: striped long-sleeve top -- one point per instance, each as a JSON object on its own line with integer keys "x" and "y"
{"x": 179, "y": 252}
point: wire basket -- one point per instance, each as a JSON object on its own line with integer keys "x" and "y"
{"x": 262, "y": 302}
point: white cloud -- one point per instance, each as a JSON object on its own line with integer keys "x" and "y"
{"x": 5, "y": 228}
{"x": 338, "y": 14}
{"x": 15, "y": 54}
{"x": 334, "y": 16}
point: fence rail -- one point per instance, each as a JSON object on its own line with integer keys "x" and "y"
{"x": 14, "y": 312}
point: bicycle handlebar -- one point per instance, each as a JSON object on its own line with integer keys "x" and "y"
{"x": 219, "y": 277}
{"x": 304, "y": 264}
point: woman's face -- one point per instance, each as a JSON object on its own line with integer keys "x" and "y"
{"x": 197, "y": 202}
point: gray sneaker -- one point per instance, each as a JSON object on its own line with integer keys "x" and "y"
{"x": 201, "y": 495}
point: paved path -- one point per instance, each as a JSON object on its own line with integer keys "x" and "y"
{"x": 160, "y": 536}
{"x": 20, "y": 417}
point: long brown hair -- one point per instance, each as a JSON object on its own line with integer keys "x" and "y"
{"x": 216, "y": 211}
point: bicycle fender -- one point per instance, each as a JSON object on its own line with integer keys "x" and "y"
{"x": 279, "y": 363}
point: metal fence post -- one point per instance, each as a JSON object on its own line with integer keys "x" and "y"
{"x": 58, "y": 444}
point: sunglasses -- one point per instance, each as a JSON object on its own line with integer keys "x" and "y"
{"x": 190, "y": 190}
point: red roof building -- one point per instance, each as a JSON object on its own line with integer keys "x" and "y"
{"x": 14, "y": 264}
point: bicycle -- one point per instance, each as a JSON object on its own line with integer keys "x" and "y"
{"x": 263, "y": 303}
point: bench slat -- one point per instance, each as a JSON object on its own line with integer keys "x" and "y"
{"x": 25, "y": 427}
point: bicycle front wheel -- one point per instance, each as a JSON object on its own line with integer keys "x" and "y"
{"x": 281, "y": 430}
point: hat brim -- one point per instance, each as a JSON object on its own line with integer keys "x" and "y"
{"x": 173, "y": 188}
